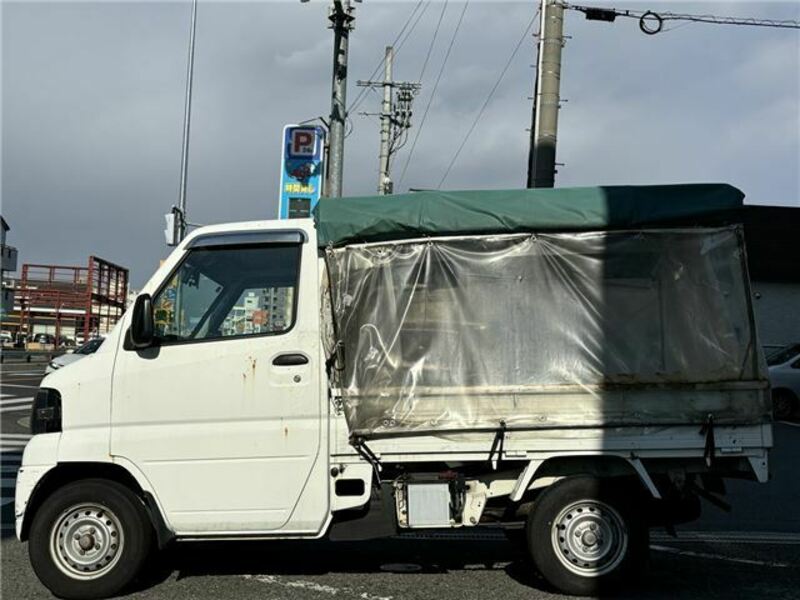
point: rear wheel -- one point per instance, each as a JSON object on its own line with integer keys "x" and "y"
{"x": 585, "y": 537}
{"x": 89, "y": 540}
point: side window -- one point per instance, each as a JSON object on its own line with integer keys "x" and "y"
{"x": 229, "y": 291}
{"x": 260, "y": 310}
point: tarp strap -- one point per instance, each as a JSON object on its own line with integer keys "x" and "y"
{"x": 366, "y": 453}
{"x": 497, "y": 445}
{"x": 330, "y": 362}
{"x": 708, "y": 430}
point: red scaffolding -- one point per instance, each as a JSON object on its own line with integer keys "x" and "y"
{"x": 89, "y": 300}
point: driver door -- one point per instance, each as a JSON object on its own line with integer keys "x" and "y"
{"x": 223, "y": 415}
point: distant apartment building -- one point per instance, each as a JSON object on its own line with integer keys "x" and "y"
{"x": 8, "y": 265}
{"x": 260, "y": 311}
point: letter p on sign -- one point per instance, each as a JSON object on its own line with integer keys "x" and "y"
{"x": 303, "y": 142}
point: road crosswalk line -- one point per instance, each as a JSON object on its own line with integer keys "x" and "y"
{"x": 17, "y": 408}
{"x": 12, "y": 401}
{"x": 11, "y": 462}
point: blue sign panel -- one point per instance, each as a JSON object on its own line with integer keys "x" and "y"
{"x": 302, "y": 170}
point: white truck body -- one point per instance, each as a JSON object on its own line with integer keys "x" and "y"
{"x": 221, "y": 442}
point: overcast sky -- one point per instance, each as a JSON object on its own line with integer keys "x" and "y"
{"x": 92, "y": 108}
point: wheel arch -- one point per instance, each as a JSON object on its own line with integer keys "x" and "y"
{"x": 597, "y": 465}
{"x": 70, "y": 472}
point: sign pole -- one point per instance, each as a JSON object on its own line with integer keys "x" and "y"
{"x": 187, "y": 114}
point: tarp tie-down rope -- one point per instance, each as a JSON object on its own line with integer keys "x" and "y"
{"x": 708, "y": 430}
{"x": 497, "y": 445}
{"x": 365, "y": 452}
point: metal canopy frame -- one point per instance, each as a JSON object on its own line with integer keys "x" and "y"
{"x": 92, "y": 298}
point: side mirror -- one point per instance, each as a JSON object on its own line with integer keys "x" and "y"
{"x": 142, "y": 329}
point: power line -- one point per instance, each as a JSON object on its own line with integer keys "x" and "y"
{"x": 433, "y": 41}
{"x": 360, "y": 97}
{"x": 652, "y": 22}
{"x": 488, "y": 99}
{"x": 433, "y": 93}
{"x": 413, "y": 26}
{"x": 362, "y": 94}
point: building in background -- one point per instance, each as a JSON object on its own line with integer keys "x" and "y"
{"x": 772, "y": 234}
{"x": 260, "y": 311}
{"x": 59, "y": 305}
{"x": 8, "y": 265}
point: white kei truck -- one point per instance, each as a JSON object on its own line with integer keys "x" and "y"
{"x": 581, "y": 360}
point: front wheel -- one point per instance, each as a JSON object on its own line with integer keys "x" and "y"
{"x": 585, "y": 537}
{"x": 89, "y": 540}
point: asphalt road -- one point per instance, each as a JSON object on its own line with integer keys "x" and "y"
{"x": 752, "y": 552}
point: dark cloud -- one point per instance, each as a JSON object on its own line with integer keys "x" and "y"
{"x": 93, "y": 104}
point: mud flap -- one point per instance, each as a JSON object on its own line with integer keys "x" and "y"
{"x": 376, "y": 520}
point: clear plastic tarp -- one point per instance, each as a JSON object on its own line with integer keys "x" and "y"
{"x": 543, "y": 329}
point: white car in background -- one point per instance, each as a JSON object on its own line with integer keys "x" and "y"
{"x": 784, "y": 376}
{"x": 63, "y": 360}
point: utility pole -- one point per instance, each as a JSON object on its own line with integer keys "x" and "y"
{"x": 395, "y": 118}
{"x": 384, "y": 183}
{"x": 180, "y": 213}
{"x": 341, "y": 17}
{"x": 544, "y": 120}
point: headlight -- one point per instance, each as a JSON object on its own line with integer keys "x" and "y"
{"x": 46, "y": 412}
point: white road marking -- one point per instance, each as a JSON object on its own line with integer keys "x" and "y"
{"x": 12, "y": 401}
{"x": 743, "y": 561}
{"x": 15, "y": 408}
{"x": 16, "y": 405}
{"x": 12, "y": 445}
{"x": 314, "y": 587}
{"x": 24, "y": 374}
{"x": 35, "y": 387}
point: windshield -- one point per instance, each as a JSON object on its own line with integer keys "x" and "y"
{"x": 783, "y": 355}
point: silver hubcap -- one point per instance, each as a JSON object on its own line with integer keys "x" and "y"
{"x": 86, "y": 541}
{"x": 589, "y": 538}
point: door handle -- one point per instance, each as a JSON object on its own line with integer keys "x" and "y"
{"x": 290, "y": 360}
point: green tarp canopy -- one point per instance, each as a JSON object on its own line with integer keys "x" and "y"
{"x": 438, "y": 213}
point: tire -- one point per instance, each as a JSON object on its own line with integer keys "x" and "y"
{"x": 783, "y": 405}
{"x": 108, "y": 533}
{"x": 585, "y": 536}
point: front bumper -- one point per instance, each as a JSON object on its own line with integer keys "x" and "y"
{"x": 41, "y": 455}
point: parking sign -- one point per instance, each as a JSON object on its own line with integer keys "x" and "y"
{"x": 302, "y": 170}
